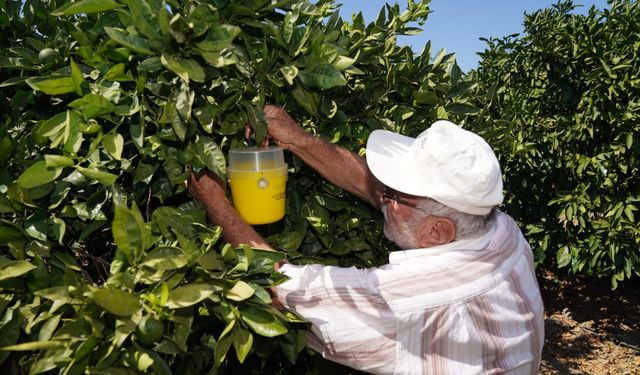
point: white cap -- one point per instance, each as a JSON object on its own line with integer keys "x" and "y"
{"x": 445, "y": 162}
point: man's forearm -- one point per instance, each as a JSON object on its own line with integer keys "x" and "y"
{"x": 338, "y": 165}
{"x": 235, "y": 230}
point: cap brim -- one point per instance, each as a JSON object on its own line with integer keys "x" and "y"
{"x": 390, "y": 159}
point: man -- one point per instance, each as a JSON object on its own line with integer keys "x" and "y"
{"x": 461, "y": 299}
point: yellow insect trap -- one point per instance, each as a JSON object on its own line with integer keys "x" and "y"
{"x": 258, "y": 179}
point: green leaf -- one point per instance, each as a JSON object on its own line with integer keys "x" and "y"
{"x": 54, "y": 126}
{"x": 14, "y": 81}
{"x": 563, "y": 257}
{"x": 142, "y": 360}
{"x": 262, "y": 322}
{"x": 289, "y": 73}
{"x": 184, "y": 102}
{"x": 117, "y": 73}
{"x": 219, "y": 38}
{"x": 58, "y": 294}
{"x": 15, "y": 268}
{"x": 9, "y": 334}
{"x": 268, "y": 255}
{"x": 86, "y": 6}
{"x": 323, "y": 76}
{"x": 105, "y": 178}
{"x": 242, "y": 342}
{"x": 189, "y": 295}
{"x": 258, "y": 122}
{"x": 220, "y": 59}
{"x": 288, "y": 344}
{"x": 144, "y": 171}
{"x": 343, "y": 62}
{"x": 228, "y": 253}
{"x": 5, "y": 207}
{"x": 169, "y": 219}
{"x": 160, "y": 366}
{"x": 7, "y": 147}
{"x": 68, "y": 260}
{"x": 52, "y": 85}
{"x": 76, "y": 77}
{"x": 143, "y": 17}
{"x": 114, "y": 144}
{"x": 425, "y": 97}
{"x": 183, "y": 68}
{"x": 132, "y": 42}
{"x": 38, "y": 174}
{"x": 116, "y": 301}
{"x": 152, "y": 64}
{"x": 462, "y": 109}
{"x": 35, "y": 345}
{"x": 53, "y": 161}
{"x": 166, "y": 258}
{"x": 48, "y": 328}
{"x": 130, "y": 232}
{"x": 221, "y": 349}
{"x": 307, "y": 100}
{"x": 36, "y": 226}
{"x": 93, "y": 105}
{"x": 240, "y": 291}
{"x": 211, "y": 156}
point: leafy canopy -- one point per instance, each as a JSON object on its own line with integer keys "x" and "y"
{"x": 106, "y": 264}
{"x": 562, "y": 112}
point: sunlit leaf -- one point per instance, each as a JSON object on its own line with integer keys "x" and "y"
{"x": 14, "y": 269}
{"x": 262, "y": 322}
{"x": 242, "y": 342}
{"x": 189, "y": 295}
{"x": 323, "y": 76}
{"x": 98, "y": 175}
{"x": 35, "y": 345}
{"x": 130, "y": 232}
{"x": 116, "y": 301}
{"x": 132, "y": 42}
{"x": 184, "y": 68}
{"x": 38, "y": 174}
{"x": 52, "y": 85}
{"x": 240, "y": 291}
{"x": 114, "y": 144}
{"x": 86, "y": 6}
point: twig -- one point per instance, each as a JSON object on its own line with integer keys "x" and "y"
{"x": 611, "y": 338}
{"x": 148, "y": 205}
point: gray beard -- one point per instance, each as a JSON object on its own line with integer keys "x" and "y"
{"x": 401, "y": 236}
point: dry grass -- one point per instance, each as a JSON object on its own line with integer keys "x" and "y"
{"x": 589, "y": 328}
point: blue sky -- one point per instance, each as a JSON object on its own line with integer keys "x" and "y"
{"x": 458, "y": 25}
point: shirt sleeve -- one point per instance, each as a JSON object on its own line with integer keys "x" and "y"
{"x": 351, "y": 322}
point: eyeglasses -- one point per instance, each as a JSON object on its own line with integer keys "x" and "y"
{"x": 394, "y": 195}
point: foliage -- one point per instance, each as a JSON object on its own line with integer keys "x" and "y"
{"x": 564, "y": 115}
{"x": 107, "y": 266}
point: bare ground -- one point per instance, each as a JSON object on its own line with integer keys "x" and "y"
{"x": 590, "y": 329}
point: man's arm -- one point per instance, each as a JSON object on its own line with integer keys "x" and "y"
{"x": 337, "y": 164}
{"x": 211, "y": 193}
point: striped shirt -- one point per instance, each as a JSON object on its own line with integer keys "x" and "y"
{"x": 472, "y": 306}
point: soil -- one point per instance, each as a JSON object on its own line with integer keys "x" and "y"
{"x": 590, "y": 329}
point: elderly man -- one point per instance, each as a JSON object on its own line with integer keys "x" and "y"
{"x": 462, "y": 298}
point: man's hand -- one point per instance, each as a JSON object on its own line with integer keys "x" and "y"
{"x": 206, "y": 187}
{"x": 281, "y": 127}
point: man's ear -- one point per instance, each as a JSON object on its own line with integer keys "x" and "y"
{"x": 436, "y": 230}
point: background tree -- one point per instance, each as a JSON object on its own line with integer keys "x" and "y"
{"x": 562, "y": 112}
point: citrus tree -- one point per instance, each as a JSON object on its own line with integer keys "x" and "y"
{"x": 106, "y": 265}
{"x": 563, "y": 112}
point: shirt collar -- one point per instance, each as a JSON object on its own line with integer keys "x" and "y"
{"x": 468, "y": 244}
